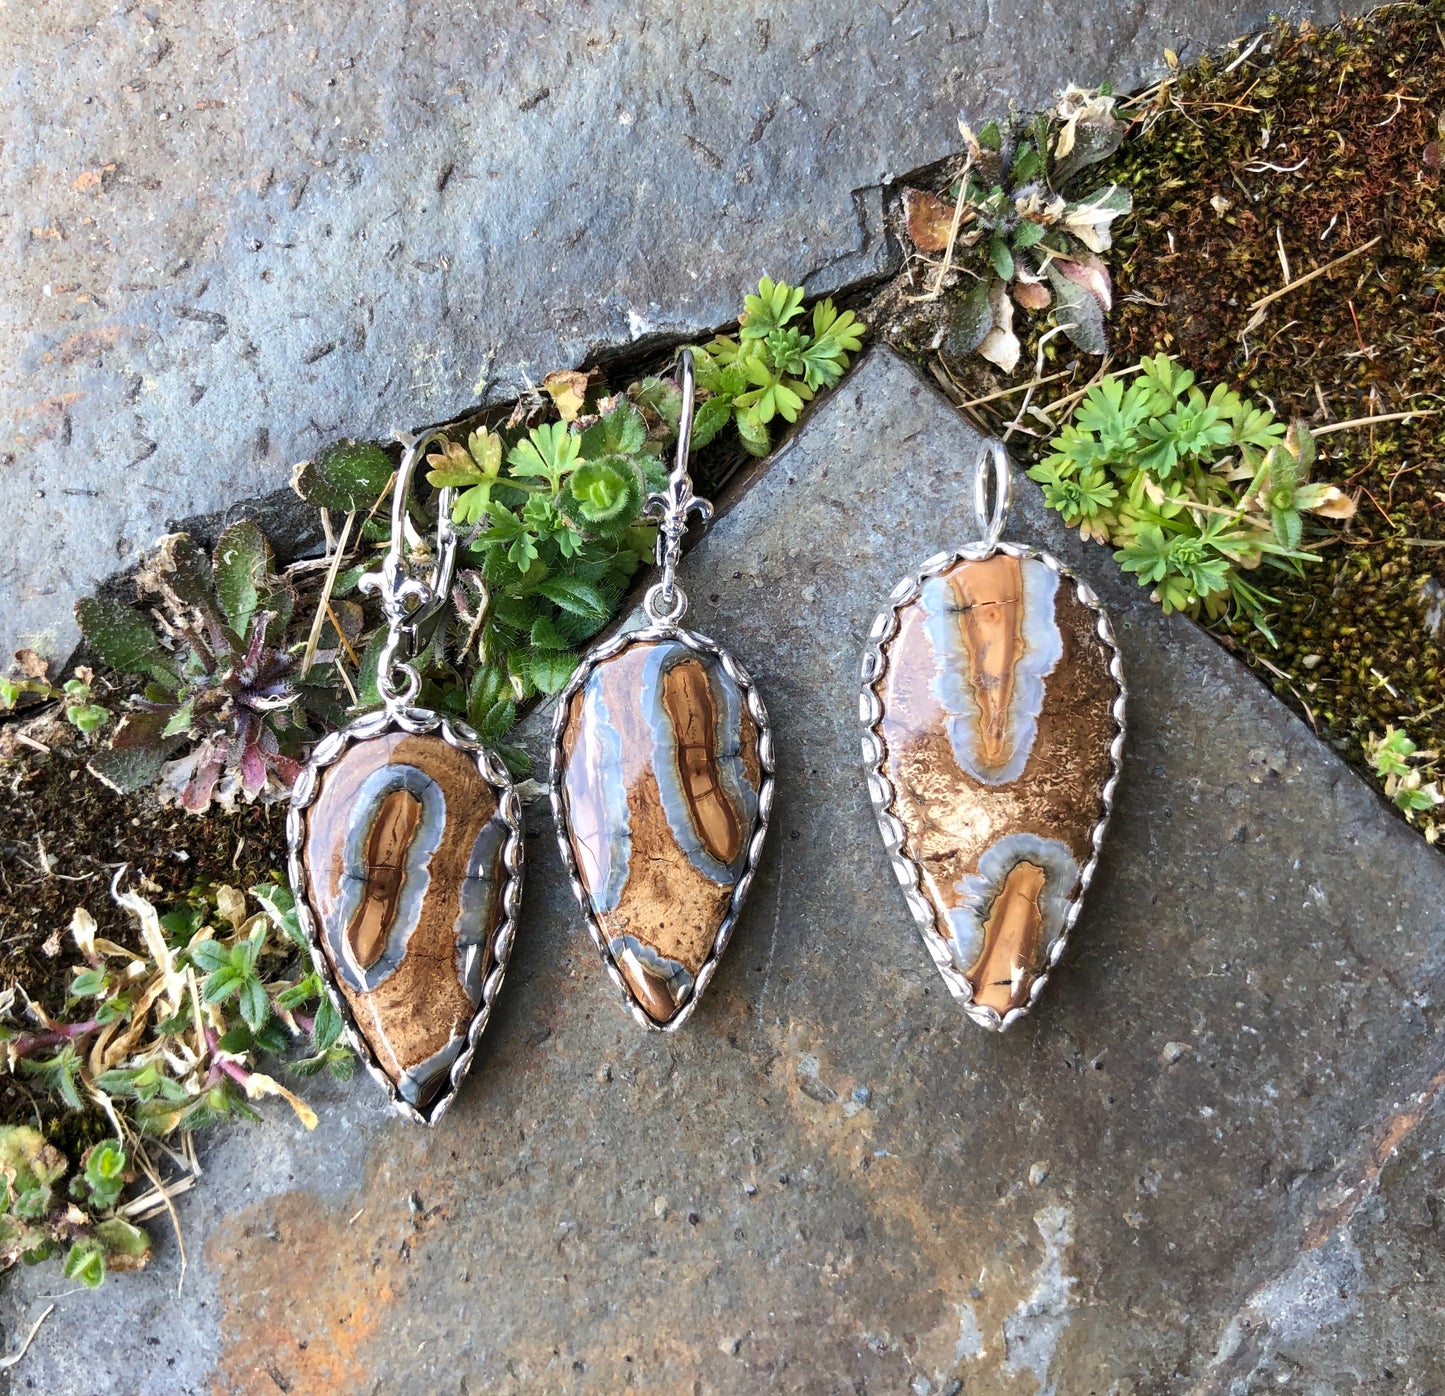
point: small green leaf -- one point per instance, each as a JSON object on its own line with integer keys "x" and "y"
{"x": 255, "y": 1006}
{"x": 326, "y": 1027}
{"x": 550, "y": 669}
{"x": 279, "y": 903}
{"x": 87, "y": 983}
{"x": 1002, "y": 258}
{"x": 620, "y": 432}
{"x": 576, "y": 596}
{"x": 241, "y": 564}
{"x": 85, "y": 1262}
{"x": 122, "y": 637}
{"x": 209, "y": 955}
{"x": 713, "y": 414}
{"x": 220, "y": 986}
{"x": 121, "y": 1239}
{"x": 346, "y": 475}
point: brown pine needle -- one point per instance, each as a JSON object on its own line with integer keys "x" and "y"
{"x": 1371, "y": 421}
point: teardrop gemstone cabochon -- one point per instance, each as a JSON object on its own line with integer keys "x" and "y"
{"x": 993, "y": 713}
{"x": 662, "y": 785}
{"x": 406, "y": 858}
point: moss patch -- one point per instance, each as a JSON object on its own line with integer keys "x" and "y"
{"x": 1297, "y": 149}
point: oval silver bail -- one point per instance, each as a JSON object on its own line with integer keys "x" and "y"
{"x": 992, "y": 492}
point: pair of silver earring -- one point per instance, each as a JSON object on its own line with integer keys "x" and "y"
{"x": 405, "y": 836}
{"x": 993, "y": 730}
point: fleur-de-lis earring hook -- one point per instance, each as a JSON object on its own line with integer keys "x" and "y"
{"x": 671, "y": 509}
{"x": 411, "y": 605}
{"x": 662, "y": 780}
{"x": 405, "y": 839}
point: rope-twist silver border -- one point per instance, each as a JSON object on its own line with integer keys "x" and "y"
{"x": 881, "y": 792}
{"x": 702, "y": 645}
{"x": 417, "y": 722}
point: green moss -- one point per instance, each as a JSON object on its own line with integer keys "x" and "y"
{"x": 1348, "y": 116}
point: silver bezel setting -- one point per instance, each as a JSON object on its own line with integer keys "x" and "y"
{"x": 880, "y": 788}
{"x": 702, "y": 645}
{"x": 415, "y": 722}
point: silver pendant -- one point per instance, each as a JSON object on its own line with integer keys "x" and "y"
{"x": 406, "y": 853}
{"x": 662, "y": 783}
{"x": 993, "y": 735}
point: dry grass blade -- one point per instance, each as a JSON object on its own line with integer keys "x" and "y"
{"x": 1312, "y": 275}
{"x": 323, "y": 605}
{"x": 7, "y": 1362}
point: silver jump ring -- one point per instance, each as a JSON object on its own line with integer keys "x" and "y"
{"x": 662, "y": 608}
{"x": 992, "y": 492}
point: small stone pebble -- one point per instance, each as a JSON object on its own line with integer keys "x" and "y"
{"x": 729, "y": 1346}
{"x": 659, "y": 1207}
{"x": 1037, "y": 1174}
{"x": 862, "y": 1094}
{"x": 1172, "y": 1052}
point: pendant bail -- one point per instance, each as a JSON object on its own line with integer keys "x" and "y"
{"x": 990, "y": 514}
{"x": 666, "y": 602}
{"x": 412, "y": 605}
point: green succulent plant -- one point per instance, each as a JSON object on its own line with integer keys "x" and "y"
{"x": 778, "y": 360}
{"x": 39, "y": 1220}
{"x": 1404, "y": 770}
{"x": 222, "y": 711}
{"x": 1196, "y": 491}
{"x": 1017, "y": 222}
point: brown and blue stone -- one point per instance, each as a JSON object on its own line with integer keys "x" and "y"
{"x": 659, "y": 788}
{"x": 403, "y": 855}
{"x": 997, "y": 728}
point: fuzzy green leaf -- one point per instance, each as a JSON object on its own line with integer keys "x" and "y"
{"x": 346, "y": 475}
{"x": 550, "y": 669}
{"x": 122, "y": 637}
{"x": 254, "y": 1005}
{"x": 241, "y": 564}
{"x": 620, "y": 432}
{"x": 712, "y": 416}
{"x": 85, "y": 1262}
{"x": 279, "y": 903}
{"x": 576, "y": 596}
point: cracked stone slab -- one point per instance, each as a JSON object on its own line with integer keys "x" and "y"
{"x": 831, "y": 1180}
{"x": 231, "y": 235}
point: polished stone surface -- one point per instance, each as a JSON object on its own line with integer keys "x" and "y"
{"x": 1209, "y": 1164}
{"x": 660, "y": 788}
{"x": 405, "y": 877}
{"x": 232, "y": 232}
{"x": 995, "y": 742}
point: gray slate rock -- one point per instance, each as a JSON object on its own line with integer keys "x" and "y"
{"x": 232, "y": 234}
{"x": 1168, "y": 1180}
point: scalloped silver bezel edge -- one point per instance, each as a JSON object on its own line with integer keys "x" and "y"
{"x": 417, "y": 722}
{"x": 756, "y": 709}
{"x": 880, "y": 788}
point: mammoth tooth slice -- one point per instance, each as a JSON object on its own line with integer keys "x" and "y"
{"x": 994, "y": 705}
{"x": 661, "y": 782}
{"x": 403, "y": 850}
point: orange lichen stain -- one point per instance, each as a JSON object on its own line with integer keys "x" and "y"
{"x": 88, "y": 344}
{"x": 88, "y": 180}
{"x": 307, "y": 1286}
{"x": 50, "y": 413}
{"x": 304, "y": 1293}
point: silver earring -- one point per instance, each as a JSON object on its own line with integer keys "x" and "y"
{"x": 993, "y": 733}
{"x": 662, "y": 782}
{"x": 405, "y": 839}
